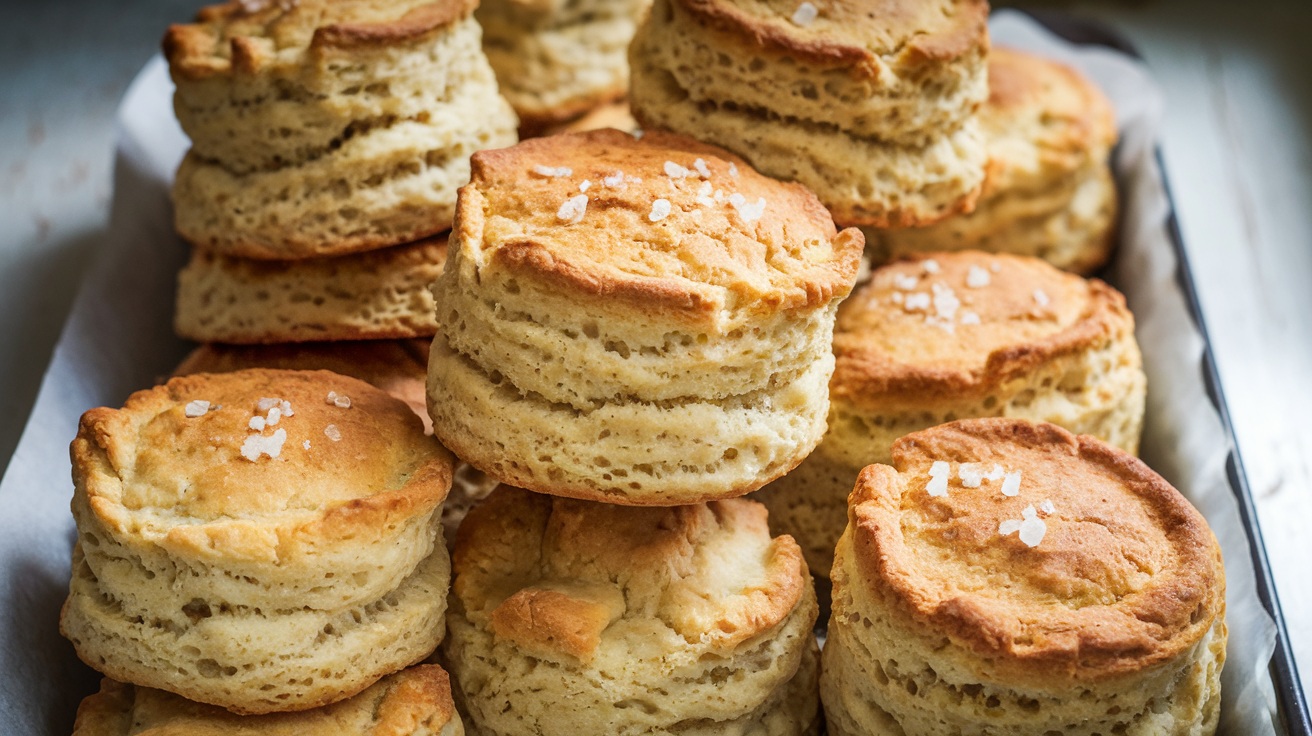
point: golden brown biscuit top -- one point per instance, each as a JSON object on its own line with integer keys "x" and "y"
{"x": 553, "y": 574}
{"x": 1043, "y": 118}
{"x": 948, "y": 323}
{"x": 249, "y": 35}
{"x": 412, "y": 700}
{"x": 244, "y": 464}
{"x": 664, "y": 222}
{"x": 861, "y": 34}
{"x": 399, "y": 367}
{"x": 1043, "y": 552}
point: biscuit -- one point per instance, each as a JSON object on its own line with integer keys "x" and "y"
{"x": 955, "y": 336}
{"x": 398, "y": 367}
{"x": 612, "y": 115}
{"x": 381, "y": 294}
{"x": 642, "y": 322}
{"x": 1075, "y": 592}
{"x": 871, "y": 105}
{"x": 413, "y": 702}
{"x": 574, "y": 617}
{"x": 556, "y": 60}
{"x": 1049, "y": 191}
{"x": 261, "y": 540}
{"x": 322, "y": 128}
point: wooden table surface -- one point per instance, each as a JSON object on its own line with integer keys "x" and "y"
{"x": 1238, "y": 146}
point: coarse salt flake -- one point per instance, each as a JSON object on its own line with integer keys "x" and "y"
{"x": 946, "y": 302}
{"x": 675, "y": 171}
{"x": 1031, "y": 527}
{"x": 905, "y": 282}
{"x": 805, "y": 14}
{"x": 306, "y": 444}
{"x": 258, "y": 444}
{"x": 573, "y": 208}
{"x": 275, "y": 415}
{"x": 704, "y": 195}
{"x": 340, "y": 401}
{"x": 995, "y": 473}
{"x": 977, "y": 278}
{"x": 970, "y": 474}
{"x": 197, "y": 408}
{"x": 733, "y": 169}
{"x": 930, "y": 266}
{"x": 749, "y": 212}
{"x": 702, "y": 169}
{"x": 266, "y": 404}
{"x": 286, "y": 407}
{"x": 585, "y": 185}
{"x": 938, "y": 478}
{"x": 1047, "y": 507}
{"x": 551, "y": 172}
{"x": 1041, "y": 298}
{"x": 897, "y": 297}
{"x": 256, "y": 423}
{"x": 660, "y": 209}
{"x": 918, "y": 301}
{"x": 333, "y": 433}
{"x": 969, "y": 318}
{"x": 613, "y": 180}
{"x": 1011, "y": 483}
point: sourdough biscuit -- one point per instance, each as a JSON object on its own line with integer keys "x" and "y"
{"x": 381, "y": 294}
{"x": 413, "y": 702}
{"x": 954, "y": 336}
{"x": 1049, "y": 191}
{"x": 322, "y": 128}
{"x": 871, "y": 105}
{"x": 1072, "y": 591}
{"x": 398, "y": 367}
{"x": 555, "y": 60}
{"x": 636, "y": 321}
{"x": 628, "y": 621}
{"x": 260, "y": 540}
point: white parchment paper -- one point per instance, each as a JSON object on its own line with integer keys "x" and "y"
{"x": 118, "y": 339}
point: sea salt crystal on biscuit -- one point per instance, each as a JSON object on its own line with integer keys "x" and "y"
{"x": 340, "y": 401}
{"x": 1041, "y": 298}
{"x": 275, "y": 415}
{"x": 969, "y": 318}
{"x": 995, "y": 473}
{"x": 930, "y": 266}
{"x": 675, "y": 171}
{"x": 286, "y": 407}
{"x": 938, "y": 478}
{"x": 917, "y": 301}
{"x": 573, "y": 209}
{"x": 733, "y": 169}
{"x": 333, "y": 433}
{"x": 256, "y": 423}
{"x": 613, "y": 180}
{"x": 660, "y": 209}
{"x": 1011, "y": 483}
{"x": 946, "y": 302}
{"x": 970, "y": 474}
{"x": 585, "y": 185}
{"x": 702, "y": 170}
{"x": 1047, "y": 507}
{"x": 905, "y": 282}
{"x": 704, "y": 195}
{"x": 977, "y": 278}
{"x": 748, "y": 212}
{"x": 197, "y": 408}
{"x": 551, "y": 172}
{"x": 267, "y": 403}
{"x": 1032, "y": 529}
{"x": 257, "y": 445}
{"x": 306, "y": 444}
{"x": 805, "y": 14}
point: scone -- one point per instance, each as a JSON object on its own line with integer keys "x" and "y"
{"x": 870, "y": 104}
{"x": 613, "y": 115}
{"x": 954, "y": 336}
{"x": 399, "y": 367}
{"x": 1049, "y": 191}
{"x": 557, "y": 59}
{"x": 261, "y": 540}
{"x": 381, "y": 294}
{"x": 322, "y": 128}
{"x": 573, "y": 617}
{"x": 413, "y": 702}
{"x": 1077, "y": 593}
{"x": 642, "y": 322}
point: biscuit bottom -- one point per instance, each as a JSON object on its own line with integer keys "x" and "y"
{"x": 883, "y": 677}
{"x": 260, "y": 661}
{"x": 862, "y": 181}
{"x": 651, "y": 681}
{"x": 632, "y": 453}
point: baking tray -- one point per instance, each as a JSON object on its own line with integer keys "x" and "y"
{"x": 1291, "y": 700}
{"x": 43, "y": 681}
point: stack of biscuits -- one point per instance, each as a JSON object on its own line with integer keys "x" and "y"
{"x": 649, "y": 416}
{"x": 328, "y": 142}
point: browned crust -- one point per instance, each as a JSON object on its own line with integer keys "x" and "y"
{"x": 104, "y": 457}
{"x": 816, "y": 287}
{"x": 872, "y": 378}
{"x": 968, "y": 33}
{"x": 193, "y": 49}
{"x": 416, "y": 697}
{"x": 900, "y": 217}
{"x": 1019, "y": 80}
{"x": 1148, "y": 627}
{"x": 534, "y": 123}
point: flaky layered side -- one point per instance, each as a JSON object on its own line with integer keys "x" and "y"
{"x": 663, "y": 344}
{"x": 381, "y": 294}
{"x": 630, "y": 621}
{"x": 1041, "y": 345}
{"x": 1049, "y": 192}
{"x": 413, "y": 702}
{"x": 1087, "y": 599}
{"x": 260, "y": 540}
{"x": 557, "y": 60}
{"x": 870, "y": 106}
